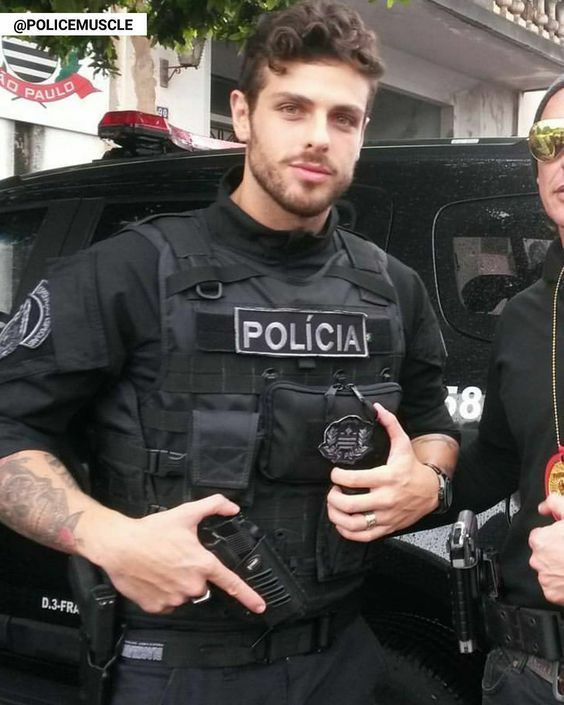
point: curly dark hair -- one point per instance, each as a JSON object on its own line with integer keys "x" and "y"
{"x": 309, "y": 31}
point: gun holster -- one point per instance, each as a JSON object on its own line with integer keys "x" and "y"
{"x": 474, "y": 575}
{"x": 96, "y": 600}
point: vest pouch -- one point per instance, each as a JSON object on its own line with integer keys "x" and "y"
{"x": 337, "y": 557}
{"x": 224, "y": 445}
{"x": 296, "y": 417}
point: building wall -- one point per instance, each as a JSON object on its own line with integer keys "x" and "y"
{"x": 64, "y": 148}
{"x": 470, "y": 108}
{"x": 6, "y": 148}
{"x": 187, "y": 95}
{"x": 527, "y": 109}
{"x": 485, "y": 111}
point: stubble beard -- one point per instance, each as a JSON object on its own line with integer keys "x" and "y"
{"x": 269, "y": 178}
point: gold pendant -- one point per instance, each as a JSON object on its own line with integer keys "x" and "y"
{"x": 554, "y": 475}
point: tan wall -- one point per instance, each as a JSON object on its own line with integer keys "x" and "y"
{"x": 485, "y": 111}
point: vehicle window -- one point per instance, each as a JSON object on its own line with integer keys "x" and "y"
{"x": 118, "y": 215}
{"x": 18, "y": 230}
{"x": 486, "y": 251}
{"x": 366, "y": 210}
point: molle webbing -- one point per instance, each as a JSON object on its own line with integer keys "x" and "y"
{"x": 228, "y": 373}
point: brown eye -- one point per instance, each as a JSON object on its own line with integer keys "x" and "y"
{"x": 344, "y": 120}
{"x": 289, "y": 109}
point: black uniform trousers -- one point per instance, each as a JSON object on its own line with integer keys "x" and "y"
{"x": 345, "y": 674}
{"x": 509, "y": 681}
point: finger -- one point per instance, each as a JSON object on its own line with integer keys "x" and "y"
{"x": 356, "y": 524}
{"x": 544, "y": 509}
{"x": 351, "y": 522}
{"x": 534, "y": 540}
{"x": 553, "y": 504}
{"x": 371, "y": 478}
{"x": 214, "y": 504}
{"x": 234, "y": 586}
{"x": 356, "y": 503}
{"x": 398, "y": 437}
{"x": 362, "y": 536}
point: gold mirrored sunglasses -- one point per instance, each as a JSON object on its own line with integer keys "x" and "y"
{"x": 546, "y": 139}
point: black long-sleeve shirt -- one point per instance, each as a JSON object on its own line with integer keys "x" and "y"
{"x": 517, "y": 431}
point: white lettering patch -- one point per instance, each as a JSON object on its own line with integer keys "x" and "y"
{"x": 296, "y": 333}
{"x": 143, "y": 650}
{"x": 31, "y": 324}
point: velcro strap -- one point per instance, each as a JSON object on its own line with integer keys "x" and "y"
{"x": 171, "y": 421}
{"x": 189, "y": 278}
{"x": 216, "y": 332}
{"x": 364, "y": 280}
{"x": 177, "y": 649}
{"x": 536, "y": 632}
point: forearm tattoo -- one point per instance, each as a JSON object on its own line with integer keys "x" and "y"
{"x": 33, "y": 506}
{"x": 443, "y": 439}
{"x": 60, "y": 470}
{"x": 436, "y": 438}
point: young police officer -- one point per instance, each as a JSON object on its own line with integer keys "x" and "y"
{"x": 229, "y": 359}
{"x": 521, "y": 447}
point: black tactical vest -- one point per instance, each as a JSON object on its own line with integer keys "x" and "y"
{"x": 256, "y": 365}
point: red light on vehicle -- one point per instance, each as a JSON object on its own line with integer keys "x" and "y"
{"x": 135, "y": 131}
{"x": 133, "y": 117}
{"x": 120, "y": 122}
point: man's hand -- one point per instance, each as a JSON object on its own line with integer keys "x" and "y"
{"x": 547, "y": 555}
{"x": 159, "y": 562}
{"x": 400, "y": 492}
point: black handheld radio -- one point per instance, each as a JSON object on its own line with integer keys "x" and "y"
{"x": 244, "y": 548}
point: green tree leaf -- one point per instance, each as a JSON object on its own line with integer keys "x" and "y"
{"x": 172, "y": 23}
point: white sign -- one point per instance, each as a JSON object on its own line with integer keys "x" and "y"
{"x": 36, "y": 87}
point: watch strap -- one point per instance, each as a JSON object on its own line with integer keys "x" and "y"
{"x": 443, "y": 495}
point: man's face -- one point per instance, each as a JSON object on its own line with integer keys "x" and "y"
{"x": 303, "y": 138}
{"x": 550, "y": 178}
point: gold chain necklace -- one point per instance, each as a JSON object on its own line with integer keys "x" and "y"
{"x": 554, "y": 474}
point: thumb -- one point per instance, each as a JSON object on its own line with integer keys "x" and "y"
{"x": 399, "y": 440}
{"x": 194, "y": 512}
{"x": 553, "y": 504}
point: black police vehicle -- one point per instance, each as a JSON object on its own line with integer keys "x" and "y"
{"x": 463, "y": 213}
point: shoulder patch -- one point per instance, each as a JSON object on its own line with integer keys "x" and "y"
{"x": 31, "y": 324}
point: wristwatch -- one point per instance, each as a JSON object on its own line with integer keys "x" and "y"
{"x": 445, "y": 489}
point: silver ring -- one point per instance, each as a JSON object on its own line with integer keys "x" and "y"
{"x": 201, "y": 598}
{"x": 371, "y": 520}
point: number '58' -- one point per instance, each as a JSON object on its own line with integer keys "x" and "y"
{"x": 466, "y": 404}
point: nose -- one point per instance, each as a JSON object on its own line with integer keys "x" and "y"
{"x": 318, "y": 132}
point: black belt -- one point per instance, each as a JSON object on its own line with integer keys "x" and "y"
{"x": 550, "y": 671}
{"x": 536, "y": 632}
{"x": 177, "y": 649}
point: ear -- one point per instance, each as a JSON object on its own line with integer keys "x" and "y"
{"x": 240, "y": 115}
